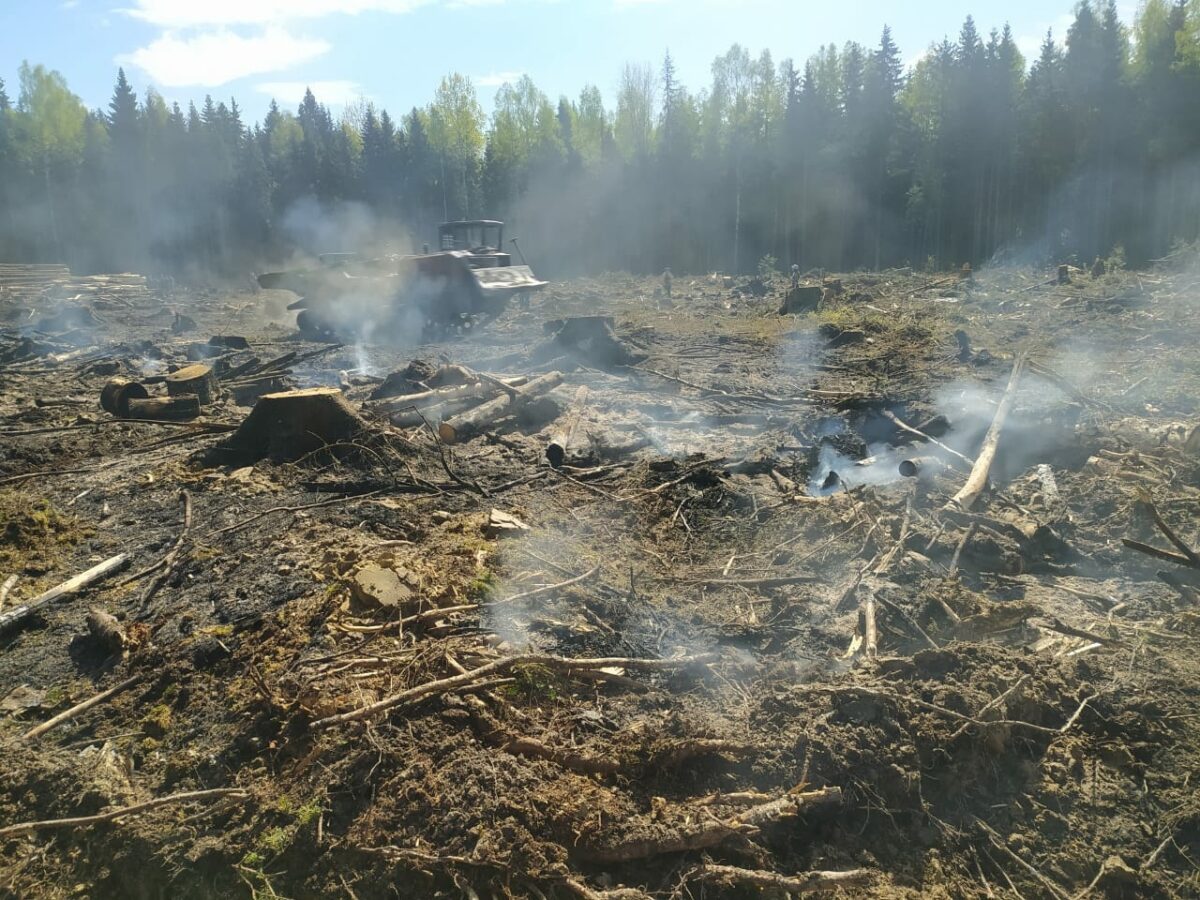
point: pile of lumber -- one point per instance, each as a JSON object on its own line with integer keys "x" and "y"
{"x": 463, "y": 403}
{"x": 20, "y": 279}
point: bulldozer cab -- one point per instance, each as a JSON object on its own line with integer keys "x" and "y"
{"x": 481, "y": 239}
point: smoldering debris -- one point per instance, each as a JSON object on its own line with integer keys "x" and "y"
{"x": 500, "y": 613}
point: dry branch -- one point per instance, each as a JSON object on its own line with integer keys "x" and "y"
{"x": 122, "y": 812}
{"x": 900, "y": 423}
{"x": 172, "y": 557}
{"x": 500, "y": 666}
{"x": 969, "y": 493}
{"x": 19, "y": 614}
{"x": 75, "y": 710}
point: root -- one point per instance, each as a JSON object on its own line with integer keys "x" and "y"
{"x": 792, "y": 884}
{"x": 713, "y": 832}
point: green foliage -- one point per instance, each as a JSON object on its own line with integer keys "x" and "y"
{"x": 534, "y": 685}
{"x": 839, "y": 161}
{"x": 768, "y": 266}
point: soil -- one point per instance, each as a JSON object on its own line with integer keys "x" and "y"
{"x": 1026, "y": 725}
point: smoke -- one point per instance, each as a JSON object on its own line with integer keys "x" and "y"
{"x": 313, "y": 228}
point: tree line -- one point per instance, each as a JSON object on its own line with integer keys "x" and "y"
{"x": 847, "y": 161}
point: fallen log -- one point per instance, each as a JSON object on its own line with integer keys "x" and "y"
{"x": 977, "y": 481}
{"x": 471, "y": 390}
{"x": 19, "y": 614}
{"x": 466, "y": 424}
{"x": 560, "y": 441}
{"x": 169, "y": 409}
{"x": 115, "y": 396}
{"x": 411, "y": 416}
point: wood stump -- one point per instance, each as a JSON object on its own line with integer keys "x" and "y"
{"x": 198, "y": 380}
{"x": 289, "y": 424}
{"x": 803, "y": 298}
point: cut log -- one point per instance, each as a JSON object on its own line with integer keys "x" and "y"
{"x": 197, "y": 380}
{"x": 287, "y": 425}
{"x": 20, "y": 614}
{"x": 560, "y": 441}
{"x": 168, "y": 409}
{"x": 115, "y": 396}
{"x": 411, "y": 416}
{"x": 978, "y": 478}
{"x": 472, "y": 391}
{"x": 463, "y": 426}
{"x": 920, "y": 466}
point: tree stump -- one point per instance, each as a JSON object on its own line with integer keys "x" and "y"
{"x": 198, "y": 380}
{"x": 289, "y": 424}
{"x": 803, "y": 298}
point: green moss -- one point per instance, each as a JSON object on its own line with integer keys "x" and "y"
{"x": 157, "y": 722}
{"x": 534, "y": 684}
{"x": 482, "y": 585}
{"x": 33, "y": 532}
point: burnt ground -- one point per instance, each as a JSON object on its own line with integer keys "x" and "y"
{"x": 1025, "y": 727}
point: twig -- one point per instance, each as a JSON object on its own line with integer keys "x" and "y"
{"x": 551, "y": 587}
{"x": 78, "y": 708}
{"x": 122, "y": 812}
{"x": 1168, "y": 532}
{"x": 900, "y": 423}
{"x": 561, "y": 664}
{"x": 246, "y": 523}
{"x": 1166, "y": 555}
{"x": 999, "y": 844}
{"x": 992, "y": 704}
{"x": 441, "y": 448}
{"x": 172, "y": 556}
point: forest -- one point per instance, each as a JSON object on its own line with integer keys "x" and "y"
{"x": 845, "y": 161}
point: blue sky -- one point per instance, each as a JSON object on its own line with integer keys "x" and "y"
{"x": 393, "y": 52}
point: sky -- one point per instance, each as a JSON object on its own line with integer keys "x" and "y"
{"x": 394, "y": 52}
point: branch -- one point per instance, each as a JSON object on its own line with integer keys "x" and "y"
{"x": 122, "y": 812}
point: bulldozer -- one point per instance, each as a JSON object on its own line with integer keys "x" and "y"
{"x": 402, "y": 296}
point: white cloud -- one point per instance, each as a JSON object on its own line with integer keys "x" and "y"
{"x": 495, "y": 79}
{"x": 196, "y": 13}
{"x": 216, "y": 57}
{"x": 331, "y": 93}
